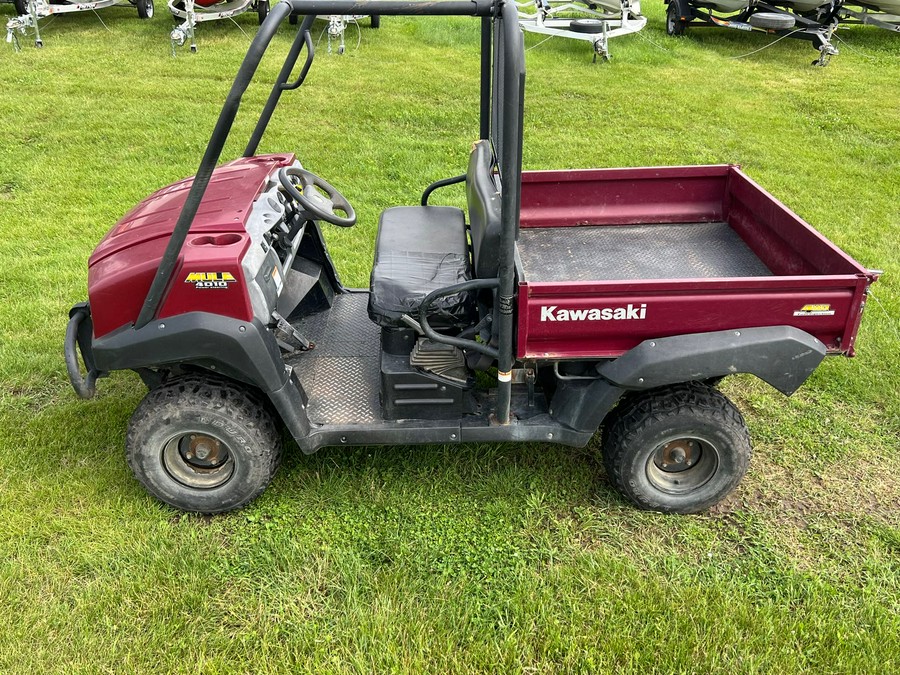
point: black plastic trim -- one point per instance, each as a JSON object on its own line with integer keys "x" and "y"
{"x": 783, "y": 356}
{"x": 242, "y": 350}
{"x": 423, "y": 432}
{"x": 583, "y": 404}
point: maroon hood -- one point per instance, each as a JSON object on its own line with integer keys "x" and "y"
{"x": 225, "y": 207}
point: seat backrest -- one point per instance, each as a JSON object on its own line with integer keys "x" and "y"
{"x": 484, "y": 211}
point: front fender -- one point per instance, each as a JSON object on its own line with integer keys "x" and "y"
{"x": 242, "y": 350}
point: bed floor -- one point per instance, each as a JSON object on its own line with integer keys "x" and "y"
{"x": 659, "y": 251}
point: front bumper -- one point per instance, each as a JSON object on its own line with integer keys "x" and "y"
{"x": 79, "y": 334}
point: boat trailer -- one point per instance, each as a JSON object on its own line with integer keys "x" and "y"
{"x": 193, "y": 12}
{"x": 337, "y": 27}
{"x": 30, "y": 12}
{"x": 883, "y": 14}
{"x": 816, "y": 25}
{"x": 588, "y": 20}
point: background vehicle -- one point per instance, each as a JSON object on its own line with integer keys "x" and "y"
{"x": 621, "y": 300}
{"x": 811, "y": 20}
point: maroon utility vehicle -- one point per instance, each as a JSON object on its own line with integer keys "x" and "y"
{"x": 557, "y": 303}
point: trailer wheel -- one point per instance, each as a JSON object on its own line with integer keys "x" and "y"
{"x": 675, "y": 26}
{"x": 202, "y": 444}
{"x": 145, "y": 9}
{"x": 586, "y": 26}
{"x": 262, "y": 10}
{"x": 772, "y": 21}
{"x": 678, "y": 449}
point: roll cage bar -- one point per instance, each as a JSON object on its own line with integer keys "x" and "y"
{"x": 501, "y": 107}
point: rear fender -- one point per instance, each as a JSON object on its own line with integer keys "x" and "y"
{"x": 783, "y": 356}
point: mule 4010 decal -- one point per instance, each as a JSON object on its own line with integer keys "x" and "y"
{"x": 815, "y": 310}
{"x": 210, "y": 279}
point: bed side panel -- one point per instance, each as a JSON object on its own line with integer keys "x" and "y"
{"x": 623, "y": 196}
{"x": 782, "y": 240}
{"x": 606, "y": 319}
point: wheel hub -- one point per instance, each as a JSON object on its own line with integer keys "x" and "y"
{"x": 682, "y": 465}
{"x": 198, "y": 461}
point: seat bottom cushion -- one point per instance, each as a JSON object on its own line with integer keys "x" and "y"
{"x": 418, "y": 250}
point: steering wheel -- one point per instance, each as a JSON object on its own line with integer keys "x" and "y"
{"x": 319, "y": 206}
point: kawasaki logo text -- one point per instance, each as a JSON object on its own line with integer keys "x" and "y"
{"x": 635, "y": 312}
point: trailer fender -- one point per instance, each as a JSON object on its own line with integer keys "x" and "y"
{"x": 242, "y": 350}
{"x": 783, "y": 356}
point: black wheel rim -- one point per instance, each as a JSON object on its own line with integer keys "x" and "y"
{"x": 198, "y": 460}
{"x": 681, "y": 465}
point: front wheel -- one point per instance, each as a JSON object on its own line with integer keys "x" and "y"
{"x": 677, "y": 449}
{"x": 203, "y": 444}
{"x": 375, "y": 21}
{"x": 21, "y": 6}
{"x": 262, "y": 10}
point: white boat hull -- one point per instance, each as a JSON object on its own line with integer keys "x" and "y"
{"x": 729, "y": 6}
{"x": 886, "y": 6}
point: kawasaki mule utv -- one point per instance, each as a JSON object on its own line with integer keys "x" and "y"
{"x": 559, "y": 301}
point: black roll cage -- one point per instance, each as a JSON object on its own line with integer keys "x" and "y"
{"x": 501, "y": 108}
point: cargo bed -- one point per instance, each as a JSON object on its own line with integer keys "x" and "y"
{"x": 608, "y": 258}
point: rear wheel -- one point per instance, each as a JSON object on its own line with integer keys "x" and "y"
{"x": 675, "y": 25}
{"x": 680, "y": 449}
{"x": 145, "y": 9}
{"x": 203, "y": 444}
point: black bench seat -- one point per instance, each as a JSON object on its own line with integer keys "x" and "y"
{"x": 418, "y": 250}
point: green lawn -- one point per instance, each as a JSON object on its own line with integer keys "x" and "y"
{"x": 506, "y": 558}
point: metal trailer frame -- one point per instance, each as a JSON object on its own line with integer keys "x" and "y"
{"x": 41, "y": 9}
{"x": 547, "y": 19}
{"x": 815, "y": 29}
{"x": 337, "y": 27}
{"x": 867, "y": 15}
{"x": 192, "y": 15}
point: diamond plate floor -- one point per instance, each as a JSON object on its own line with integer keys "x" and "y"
{"x": 662, "y": 251}
{"x": 341, "y": 375}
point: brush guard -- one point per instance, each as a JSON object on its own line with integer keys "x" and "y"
{"x": 79, "y": 333}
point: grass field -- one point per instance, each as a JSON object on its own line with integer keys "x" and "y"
{"x": 482, "y": 558}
